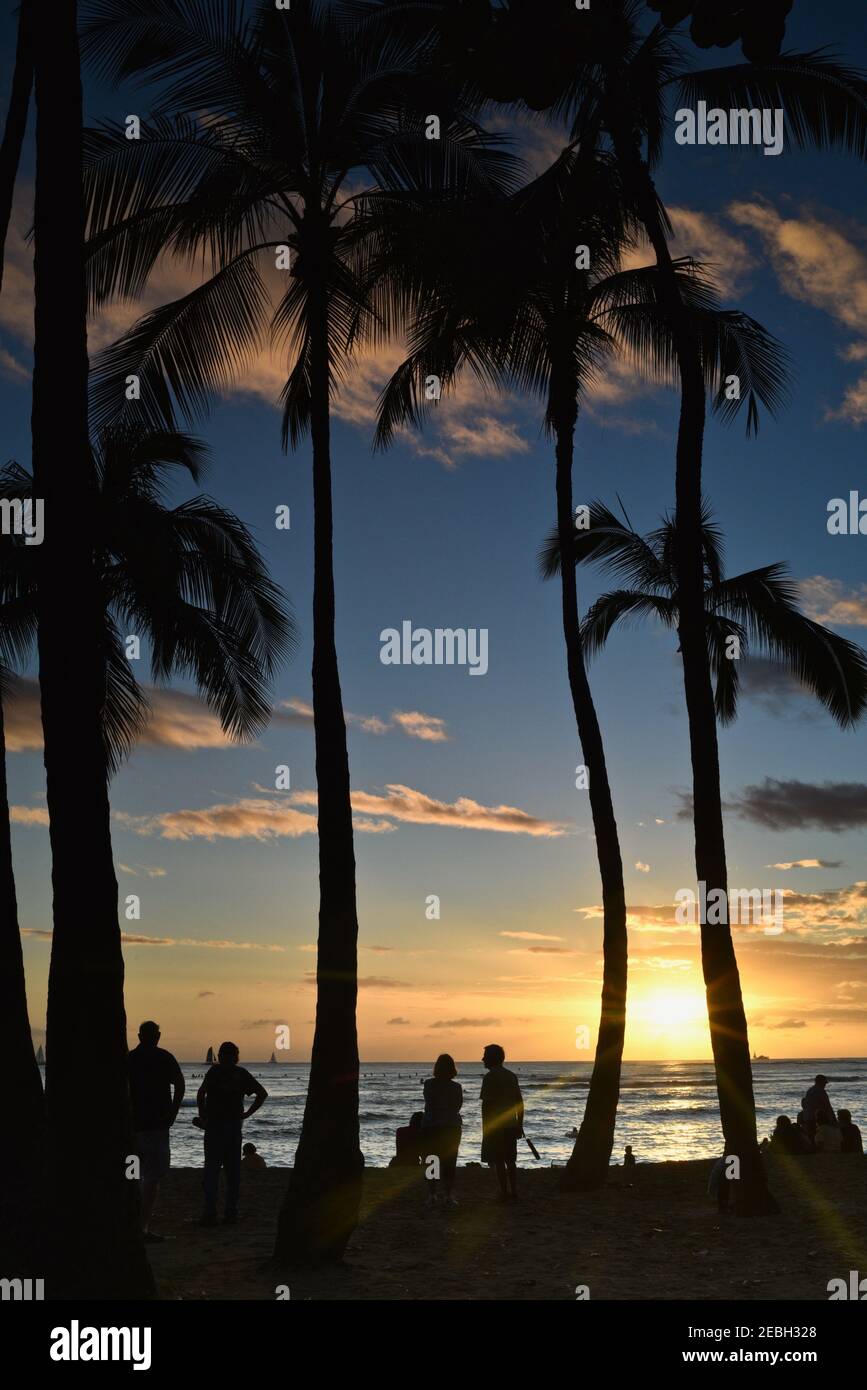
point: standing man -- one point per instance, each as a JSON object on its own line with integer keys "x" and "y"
{"x": 817, "y": 1107}
{"x": 502, "y": 1121}
{"x": 156, "y": 1086}
{"x": 221, "y": 1115}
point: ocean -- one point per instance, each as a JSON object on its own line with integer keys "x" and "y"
{"x": 668, "y": 1110}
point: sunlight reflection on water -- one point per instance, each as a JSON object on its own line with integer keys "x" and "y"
{"x": 668, "y": 1110}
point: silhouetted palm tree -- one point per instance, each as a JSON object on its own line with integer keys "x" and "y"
{"x": 500, "y": 292}
{"x": 19, "y": 1184}
{"x": 756, "y": 613}
{"x": 189, "y": 581}
{"x": 298, "y": 112}
{"x": 96, "y": 1248}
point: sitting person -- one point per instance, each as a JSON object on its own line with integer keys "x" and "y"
{"x": 408, "y": 1142}
{"x": 829, "y": 1140}
{"x": 628, "y": 1157}
{"x": 850, "y": 1135}
{"x": 718, "y": 1185}
{"x": 788, "y": 1138}
{"x": 251, "y": 1158}
{"x": 803, "y": 1130}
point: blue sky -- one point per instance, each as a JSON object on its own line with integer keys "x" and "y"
{"x": 453, "y": 545}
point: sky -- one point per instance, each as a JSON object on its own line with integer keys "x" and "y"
{"x": 464, "y": 785}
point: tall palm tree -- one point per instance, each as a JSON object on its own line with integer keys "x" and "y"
{"x": 758, "y": 610}
{"x": 188, "y": 580}
{"x": 302, "y": 119}
{"x": 19, "y": 1163}
{"x": 96, "y": 1248}
{"x": 499, "y": 291}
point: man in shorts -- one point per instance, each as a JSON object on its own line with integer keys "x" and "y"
{"x": 502, "y": 1121}
{"x": 156, "y": 1087}
{"x": 221, "y": 1115}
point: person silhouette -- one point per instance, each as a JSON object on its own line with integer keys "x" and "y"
{"x": 502, "y": 1120}
{"x": 156, "y": 1089}
{"x": 850, "y": 1135}
{"x": 441, "y": 1126}
{"x": 221, "y": 1114}
{"x": 817, "y": 1107}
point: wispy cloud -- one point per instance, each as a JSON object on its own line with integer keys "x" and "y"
{"x": 818, "y": 264}
{"x": 414, "y": 807}
{"x": 142, "y": 870}
{"x": 831, "y": 601}
{"x": 138, "y": 939}
{"x": 28, "y": 815}
{"x": 806, "y": 864}
{"x": 181, "y": 721}
{"x": 260, "y": 818}
{"x": 466, "y": 1023}
{"x": 529, "y": 936}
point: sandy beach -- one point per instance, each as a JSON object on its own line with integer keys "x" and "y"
{"x": 656, "y": 1236}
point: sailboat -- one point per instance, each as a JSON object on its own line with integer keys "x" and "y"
{"x": 209, "y": 1060}
{"x": 40, "y": 1057}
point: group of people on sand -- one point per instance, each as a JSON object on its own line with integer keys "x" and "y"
{"x": 817, "y": 1129}
{"x": 433, "y": 1136}
{"x": 157, "y": 1087}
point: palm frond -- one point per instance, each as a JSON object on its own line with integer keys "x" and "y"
{"x": 825, "y": 102}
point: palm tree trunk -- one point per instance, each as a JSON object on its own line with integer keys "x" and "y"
{"x": 320, "y": 1210}
{"x": 95, "y": 1247}
{"x": 16, "y": 122}
{"x": 588, "y": 1163}
{"x": 20, "y": 1161}
{"x": 726, "y": 1016}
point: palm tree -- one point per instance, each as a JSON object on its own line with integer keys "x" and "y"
{"x": 188, "y": 580}
{"x": 755, "y": 613}
{"x": 91, "y": 1208}
{"x": 19, "y": 1163}
{"x": 499, "y": 292}
{"x": 299, "y": 112}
